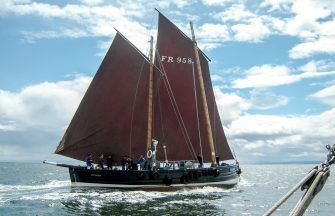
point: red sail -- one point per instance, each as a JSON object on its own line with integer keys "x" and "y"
{"x": 112, "y": 117}
{"x": 220, "y": 141}
{"x": 177, "y": 97}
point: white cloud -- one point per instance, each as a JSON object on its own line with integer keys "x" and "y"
{"x": 254, "y": 125}
{"x": 310, "y": 66}
{"x": 317, "y": 30}
{"x": 46, "y": 106}
{"x": 247, "y": 25}
{"x": 7, "y": 127}
{"x": 230, "y": 105}
{"x": 321, "y": 65}
{"x": 185, "y": 15}
{"x": 211, "y": 36}
{"x": 326, "y": 95}
{"x": 274, "y": 75}
{"x": 276, "y": 4}
{"x": 33, "y": 120}
{"x": 31, "y": 37}
{"x": 282, "y": 138}
{"x": 84, "y": 21}
{"x": 92, "y": 2}
{"x": 319, "y": 46}
{"x": 181, "y": 3}
{"x": 216, "y": 2}
{"x": 263, "y": 100}
{"x": 265, "y": 76}
{"x": 214, "y": 32}
{"x": 96, "y": 18}
{"x": 236, "y": 12}
{"x": 217, "y": 78}
{"x": 298, "y": 24}
{"x": 254, "y": 31}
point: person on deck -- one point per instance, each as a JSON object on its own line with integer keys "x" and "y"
{"x": 217, "y": 158}
{"x": 89, "y": 161}
{"x": 141, "y": 162}
{"x": 109, "y": 162}
{"x": 129, "y": 164}
{"x": 101, "y": 161}
{"x": 200, "y": 161}
{"x": 124, "y": 162}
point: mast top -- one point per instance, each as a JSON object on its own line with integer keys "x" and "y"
{"x": 192, "y": 32}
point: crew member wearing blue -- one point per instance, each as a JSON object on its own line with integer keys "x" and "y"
{"x": 89, "y": 161}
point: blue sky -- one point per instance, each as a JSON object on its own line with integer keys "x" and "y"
{"x": 272, "y": 67}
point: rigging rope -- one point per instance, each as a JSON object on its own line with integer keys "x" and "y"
{"x": 175, "y": 108}
{"x": 179, "y": 118}
{"x": 160, "y": 106}
{"x": 313, "y": 182}
{"x": 133, "y": 107}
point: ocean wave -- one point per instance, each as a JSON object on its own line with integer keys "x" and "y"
{"x": 245, "y": 183}
{"x": 50, "y": 184}
{"x": 207, "y": 190}
{"x": 183, "y": 202}
{"x": 107, "y": 196}
{"x": 97, "y": 196}
{"x": 52, "y": 196}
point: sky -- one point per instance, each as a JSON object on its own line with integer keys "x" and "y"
{"x": 272, "y": 67}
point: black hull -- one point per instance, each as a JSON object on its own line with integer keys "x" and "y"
{"x": 223, "y": 176}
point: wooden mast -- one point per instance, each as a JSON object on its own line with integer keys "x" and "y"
{"x": 149, "y": 132}
{"x": 203, "y": 96}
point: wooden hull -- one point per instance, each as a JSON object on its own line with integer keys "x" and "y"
{"x": 223, "y": 176}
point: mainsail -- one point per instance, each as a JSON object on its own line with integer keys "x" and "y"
{"x": 112, "y": 116}
{"x": 179, "y": 116}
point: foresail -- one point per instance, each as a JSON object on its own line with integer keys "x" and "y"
{"x": 177, "y": 123}
{"x": 112, "y": 116}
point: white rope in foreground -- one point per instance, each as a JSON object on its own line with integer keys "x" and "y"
{"x": 313, "y": 182}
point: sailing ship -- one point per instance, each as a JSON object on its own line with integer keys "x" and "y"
{"x": 162, "y": 107}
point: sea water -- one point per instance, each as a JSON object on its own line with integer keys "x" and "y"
{"x": 38, "y": 189}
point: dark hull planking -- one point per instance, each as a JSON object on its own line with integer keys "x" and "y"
{"x": 223, "y": 176}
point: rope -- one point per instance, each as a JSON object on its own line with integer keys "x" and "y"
{"x": 178, "y": 115}
{"x": 313, "y": 182}
{"x": 175, "y": 108}
{"x": 133, "y": 108}
{"x": 160, "y": 107}
{"x": 310, "y": 193}
{"x": 196, "y": 106}
{"x": 289, "y": 194}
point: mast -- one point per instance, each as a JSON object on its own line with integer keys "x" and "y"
{"x": 203, "y": 96}
{"x": 149, "y": 132}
